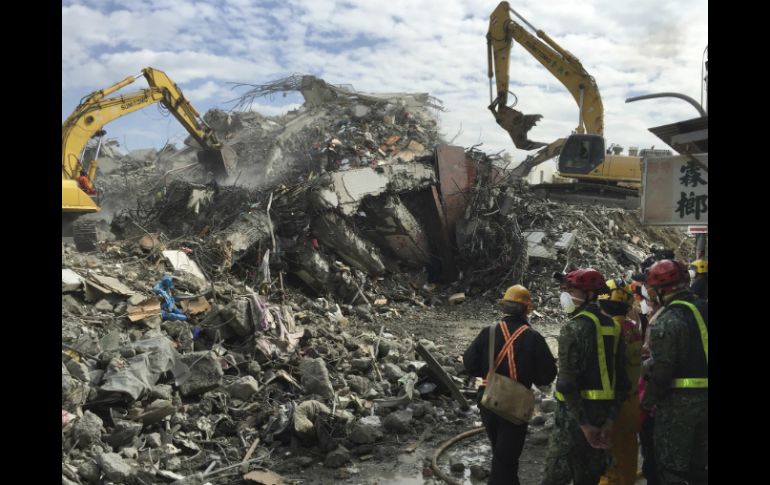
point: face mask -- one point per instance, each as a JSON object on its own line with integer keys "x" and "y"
{"x": 644, "y": 292}
{"x": 692, "y": 273}
{"x": 568, "y": 302}
{"x": 645, "y": 307}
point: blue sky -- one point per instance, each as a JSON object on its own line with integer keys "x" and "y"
{"x": 630, "y": 47}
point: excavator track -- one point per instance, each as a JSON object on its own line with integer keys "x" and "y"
{"x": 590, "y": 194}
{"x": 85, "y": 235}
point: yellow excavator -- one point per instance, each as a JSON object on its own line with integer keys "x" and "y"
{"x": 87, "y": 121}
{"x": 582, "y": 156}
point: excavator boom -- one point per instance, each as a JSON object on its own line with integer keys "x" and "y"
{"x": 564, "y": 66}
{"x": 95, "y": 111}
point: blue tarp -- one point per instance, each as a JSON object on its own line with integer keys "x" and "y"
{"x": 168, "y": 308}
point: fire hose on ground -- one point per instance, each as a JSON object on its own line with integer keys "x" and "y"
{"x": 443, "y": 448}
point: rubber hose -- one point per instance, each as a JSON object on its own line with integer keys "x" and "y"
{"x": 443, "y": 447}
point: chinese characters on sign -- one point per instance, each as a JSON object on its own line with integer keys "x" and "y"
{"x": 675, "y": 190}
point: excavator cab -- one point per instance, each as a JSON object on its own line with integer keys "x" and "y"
{"x": 581, "y": 154}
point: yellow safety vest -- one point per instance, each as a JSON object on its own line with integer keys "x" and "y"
{"x": 695, "y": 382}
{"x": 607, "y": 392}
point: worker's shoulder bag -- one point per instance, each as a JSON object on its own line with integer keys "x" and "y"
{"x": 504, "y": 396}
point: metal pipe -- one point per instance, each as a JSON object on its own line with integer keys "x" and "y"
{"x": 684, "y": 97}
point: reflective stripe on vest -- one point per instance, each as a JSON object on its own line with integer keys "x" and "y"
{"x": 608, "y": 388}
{"x": 506, "y": 351}
{"x": 696, "y": 382}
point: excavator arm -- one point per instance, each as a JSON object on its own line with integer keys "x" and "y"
{"x": 563, "y": 65}
{"x": 548, "y": 152}
{"x": 96, "y": 110}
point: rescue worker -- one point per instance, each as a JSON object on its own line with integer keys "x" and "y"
{"x": 699, "y": 274}
{"x": 677, "y": 383}
{"x": 625, "y": 448}
{"x": 533, "y": 363}
{"x": 591, "y": 386}
{"x": 85, "y": 183}
{"x": 651, "y": 310}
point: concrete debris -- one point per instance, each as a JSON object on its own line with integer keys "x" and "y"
{"x": 243, "y": 388}
{"x": 337, "y": 234}
{"x": 398, "y": 421}
{"x": 365, "y": 433}
{"x": 315, "y": 378}
{"x": 71, "y": 281}
{"x": 123, "y": 433}
{"x": 205, "y": 373}
{"x": 310, "y": 285}
{"x": 87, "y": 430}
{"x": 114, "y": 467}
{"x": 181, "y": 262}
{"x": 337, "y": 458}
{"x": 536, "y": 247}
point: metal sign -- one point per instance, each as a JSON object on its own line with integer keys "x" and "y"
{"x": 692, "y": 230}
{"x": 675, "y": 190}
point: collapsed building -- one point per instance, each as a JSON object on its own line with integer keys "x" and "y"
{"x": 283, "y": 323}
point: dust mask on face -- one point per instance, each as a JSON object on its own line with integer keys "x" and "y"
{"x": 692, "y": 273}
{"x": 645, "y": 307}
{"x": 645, "y": 294}
{"x": 568, "y": 302}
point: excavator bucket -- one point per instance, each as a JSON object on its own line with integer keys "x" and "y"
{"x": 222, "y": 163}
{"x": 517, "y": 125}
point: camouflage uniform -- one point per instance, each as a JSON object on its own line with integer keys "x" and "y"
{"x": 570, "y": 457}
{"x": 681, "y": 416}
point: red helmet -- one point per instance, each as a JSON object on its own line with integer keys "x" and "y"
{"x": 668, "y": 275}
{"x": 586, "y": 279}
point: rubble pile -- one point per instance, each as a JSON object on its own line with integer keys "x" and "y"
{"x": 269, "y": 323}
{"x": 156, "y": 393}
{"x": 336, "y": 128}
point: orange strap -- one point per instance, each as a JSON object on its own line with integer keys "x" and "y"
{"x": 507, "y": 351}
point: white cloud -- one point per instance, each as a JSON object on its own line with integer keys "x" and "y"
{"x": 437, "y": 46}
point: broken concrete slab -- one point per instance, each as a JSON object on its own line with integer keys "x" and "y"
{"x": 535, "y": 246}
{"x": 337, "y": 234}
{"x": 398, "y": 421}
{"x": 392, "y": 372}
{"x": 107, "y": 285}
{"x": 363, "y": 433}
{"x": 87, "y": 430}
{"x": 181, "y": 262}
{"x": 115, "y": 468}
{"x": 566, "y": 240}
{"x": 124, "y": 433}
{"x": 243, "y": 388}
{"x": 73, "y": 391}
{"x": 396, "y": 228}
{"x": 457, "y": 298}
{"x": 103, "y": 306}
{"x": 352, "y": 186}
{"x": 78, "y": 370}
{"x": 359, "y": 384}
{"x": 205, "y": 373}
{"x": 71, "y": 281}
{"x": 315, "y": 378}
